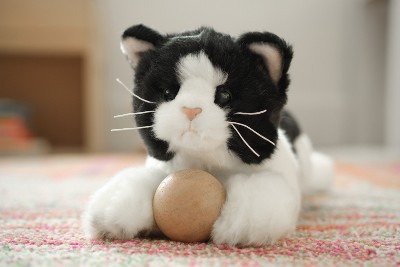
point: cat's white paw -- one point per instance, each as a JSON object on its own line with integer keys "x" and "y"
{"x": 122, "y": 208}
{"x": 259, "y": 209}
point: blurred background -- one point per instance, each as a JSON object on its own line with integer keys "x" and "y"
{"x": 59, "y": 61}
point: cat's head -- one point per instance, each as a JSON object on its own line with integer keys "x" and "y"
{"x": 209, "y": 91}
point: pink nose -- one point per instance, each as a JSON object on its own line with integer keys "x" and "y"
{"x": 191, "y": 113}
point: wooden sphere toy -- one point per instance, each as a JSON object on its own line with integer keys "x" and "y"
{"x": 186, "y": 205}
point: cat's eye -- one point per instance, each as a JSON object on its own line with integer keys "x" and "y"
{"x": 223, "y": 97}
{"x": 169, "y": 94}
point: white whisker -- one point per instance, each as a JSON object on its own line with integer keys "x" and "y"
{"x": 134, "y": 128}
{"x": 244, "y": 141}
{"x": 251, "y": 129}
{"x": 132, "y": 93}
{"x": 250, "y": 113}
{"x": 133, "y": 113}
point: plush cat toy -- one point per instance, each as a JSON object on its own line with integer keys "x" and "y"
{"x": 208, "y": 101}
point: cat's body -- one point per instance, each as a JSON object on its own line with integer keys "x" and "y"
{"x": 216, "y": 104}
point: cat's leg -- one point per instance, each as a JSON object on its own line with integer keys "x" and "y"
{"x": 122, "y": 208}
{"x": 259, "y": 209}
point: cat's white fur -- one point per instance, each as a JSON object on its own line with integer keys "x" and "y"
{"x": 209, "y": 130}
{"x": 263, "y": 201}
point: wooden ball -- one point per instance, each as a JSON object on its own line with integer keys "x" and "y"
{"x": 186, "y": 205}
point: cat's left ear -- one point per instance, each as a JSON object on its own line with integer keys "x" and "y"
{"x": 137, "y": 40}
{"x": 275, "y": 52}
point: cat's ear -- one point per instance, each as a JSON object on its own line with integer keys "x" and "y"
{"x": 275, "y": 52}
{"x": 137, "y": 40}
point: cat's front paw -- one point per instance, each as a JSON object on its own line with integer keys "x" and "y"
{"x": 122, "y": 209}
{"x": 259, "y": 209}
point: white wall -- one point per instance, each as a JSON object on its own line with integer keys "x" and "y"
{"x": 393, "y": 79}
{"x": 337, "y": 73}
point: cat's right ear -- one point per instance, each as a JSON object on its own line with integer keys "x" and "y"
{"x": 137, "y": 40}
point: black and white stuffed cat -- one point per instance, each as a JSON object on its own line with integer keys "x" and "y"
{"x": 212, "y": 102}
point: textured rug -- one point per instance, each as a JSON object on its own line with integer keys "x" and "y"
{"x": 41, "y": 200}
